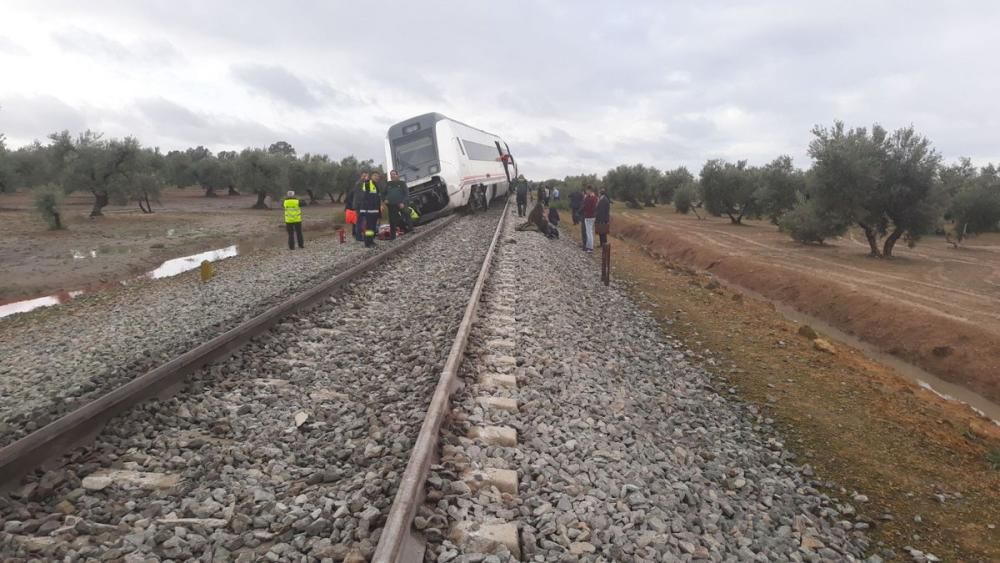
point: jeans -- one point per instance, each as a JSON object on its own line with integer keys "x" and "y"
{"x": 396, "y": 220}
{"x": 522, "y": 206}
{"x": 368, "y": 227}
{"x": 294, "y": 232}
{"x": 588, "y": 229}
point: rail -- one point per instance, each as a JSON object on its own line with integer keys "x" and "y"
{"x": 84, "y": 423}
{"x": 398, "y": 543}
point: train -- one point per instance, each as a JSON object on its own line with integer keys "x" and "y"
{"x": 447, "y": 164}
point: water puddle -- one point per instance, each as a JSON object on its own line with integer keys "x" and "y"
{"x": 167, "y": 269}
{"x": 185, "y": 263}
{"x": 926, "y": 380}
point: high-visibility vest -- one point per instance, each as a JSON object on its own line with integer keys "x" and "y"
{"x": 292, "y": 212}
{"x": 369, "y": 186}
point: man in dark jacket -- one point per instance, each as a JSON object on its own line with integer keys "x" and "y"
{"x": 522, "y": 196}
{"x": 397, "y": 197}
{"x": 575, "y": 201}
{"x": 352, "y": 201}
{"x": 602, "y": 219}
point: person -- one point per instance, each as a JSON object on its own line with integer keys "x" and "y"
{"x": 537, "y": 220}
{"x": 575, "y": 201}
{"x": 397, "y": 198}
{"x": 554, "y": 216}
{"x": 555, "y": 193}
{"x": 368, "y": 203}
{"x": 602, "y": 217}
{"x": 588, "y": 210}
{"x": 522, "y": 196}
{"x": 293, "y": 219}
{"x": 351, "y": 204}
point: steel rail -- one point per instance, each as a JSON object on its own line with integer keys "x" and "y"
{"x": 85, "y": 422}
{"x": 397, "y": 543}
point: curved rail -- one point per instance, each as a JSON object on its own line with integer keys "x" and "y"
{"x": 84, "y": 423}
{"x": 397, "y": 542}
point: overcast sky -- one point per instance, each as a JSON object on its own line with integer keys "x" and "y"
{"x": 574, "y": 86}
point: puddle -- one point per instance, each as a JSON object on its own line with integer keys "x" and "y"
{"x": 167, "y": 269}
{"x": 77, "y": 255}
{"x": 944, "y": 389}
{"x": 185, "y": 263}
{"x": 37, "y": 303}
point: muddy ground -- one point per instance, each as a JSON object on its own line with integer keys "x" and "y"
{"x": 91, "y": 253}
{"x": 929, "y": 467}
{"x": 934, "y": 306}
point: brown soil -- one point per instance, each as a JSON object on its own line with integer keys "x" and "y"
{"x": 860, "y": 425}
{"x": 92, "y": 253}
{"x": 933, "y": 306}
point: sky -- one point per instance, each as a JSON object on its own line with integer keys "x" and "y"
{"x": 574, "y": 86}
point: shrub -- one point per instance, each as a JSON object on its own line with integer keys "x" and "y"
{"x": 808, "y": 224}
{"x": 48, "y": 200}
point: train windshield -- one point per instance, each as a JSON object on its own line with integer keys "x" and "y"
{"x": 414, "y": 151}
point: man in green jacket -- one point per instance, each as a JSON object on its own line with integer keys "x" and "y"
{"x": 397, "y": 198}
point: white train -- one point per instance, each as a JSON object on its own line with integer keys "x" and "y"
{"x": 444, "y": 162}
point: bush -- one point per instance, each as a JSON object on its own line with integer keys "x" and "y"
{"x": 48, "y": 200}
{"x": 806, "y": 223}
{"x": 684, "y": 198}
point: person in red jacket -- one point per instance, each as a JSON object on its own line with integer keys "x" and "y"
{"x": 589, "y": 211}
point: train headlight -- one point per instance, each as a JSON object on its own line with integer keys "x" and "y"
{"x": 434, "y": 169}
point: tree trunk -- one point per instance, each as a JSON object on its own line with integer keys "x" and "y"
{"x": 312, "y": 196}
{"x": 340, "y": 197}
{"x": 100, "y": 202}
{"x": 210, "y": 192}
{"x": 872, "y": 240}
{"x": 891, "y": 242}
{"x": 56, "y": 221}
{"x": 148, "y": 208}
{"x": 331, "y": 198}
{"x": 260, "y": 201}
{"x": 233, "y": 191}
{"x": 694, "y": 208}
{"x": 734, "y": 219}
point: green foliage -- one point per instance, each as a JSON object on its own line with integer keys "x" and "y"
{"x": 729, "y": 189}
{"x": 262, "y": 173}
{"x": 48, "y": 201}
{"x": 577, "y": 183}
{"x": 629, "y": 183}
{"x": 885, "y": 183}
{"x": 282, "y": 148}
{"x": 685, "y": 198}
{"x": 806, "y": 222}
{"x": 671, "y": 181}
{"x": 779, "y": 187}
{"x": 8, "y": 173}
{"x": 974, "y": 205}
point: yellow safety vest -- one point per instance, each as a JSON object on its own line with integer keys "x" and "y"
{"x": 369, "y": 186}
{"x": 292, "y": 212}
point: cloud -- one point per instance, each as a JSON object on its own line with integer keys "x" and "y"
{"x": 25, "y": 119}
{"x": 9, "y": 47}
{"x": 95, "y": 45}
{"x": 279, "y": 84}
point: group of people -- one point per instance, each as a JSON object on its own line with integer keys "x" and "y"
{"x": 362, "y": 209}
{"x": 592, "y": 213}
{"x": 590, "y": 210}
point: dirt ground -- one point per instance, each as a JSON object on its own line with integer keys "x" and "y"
{"x": 92, "y": 253}
{"x": 934, "y": 306}
{"x": 930, "y": 467}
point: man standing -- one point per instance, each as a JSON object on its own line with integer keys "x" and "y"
{"x": 602, "y": 219}
{"x": 575, "y": 201}
{"x": 293, "y": 220}
{"x": 589, "y": 212}
{"x": 397, "y": 197}
{"x": 368, "y": 209}
{"x": 522, "y": 196}
{"x": 555, "y": 193}
{"x": 353, "y": 201}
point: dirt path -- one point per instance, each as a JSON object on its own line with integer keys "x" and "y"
{"x": 928, "y": 469}
{"x": 92, "y": 253}
{"x": 933, "y": 306}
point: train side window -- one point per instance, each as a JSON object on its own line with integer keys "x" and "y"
{"x": 460, "y": 147}
{"x": 478, "y": 151}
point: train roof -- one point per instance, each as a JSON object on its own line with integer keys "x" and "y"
{"x": 433, "y": 117}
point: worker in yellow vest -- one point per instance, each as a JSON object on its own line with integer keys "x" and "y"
{"x": 293, "y": 220}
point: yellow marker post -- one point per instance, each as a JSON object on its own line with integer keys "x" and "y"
{"x": 206, "y": 270}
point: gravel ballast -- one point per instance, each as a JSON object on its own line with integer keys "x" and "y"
{"x": 626, "y": 450}
{"x": 55, "y": 359}
{"x": 289, "y": 450}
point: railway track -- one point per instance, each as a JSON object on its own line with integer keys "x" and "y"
{"x": 284, "y": 438}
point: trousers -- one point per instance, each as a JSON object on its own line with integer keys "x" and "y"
{"x": 294, "y": 232}
{"x": 588, "y": 228}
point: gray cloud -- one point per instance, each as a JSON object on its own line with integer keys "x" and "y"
{"x": 25, "y": 119}
{"x": 279, "y": 84}
{"x": 88, "y": 43}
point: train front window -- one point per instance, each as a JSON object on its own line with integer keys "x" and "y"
{"x": 414, "y": 151}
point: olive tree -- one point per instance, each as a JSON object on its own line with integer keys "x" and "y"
{"x": 89, "y": 163}
{"x": 974, "y": 199}
{"x": 780, "y": 185}
{"x": 729, "y": 189}
{"x": 262, "y": 173}
{"x": 629, "y": 183}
